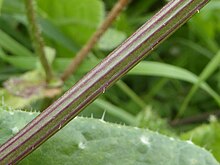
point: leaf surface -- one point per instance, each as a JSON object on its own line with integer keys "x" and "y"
{"x": 91, "y": 141}
{"x": 76, "y": 18}
{"x": 206, "y": 135}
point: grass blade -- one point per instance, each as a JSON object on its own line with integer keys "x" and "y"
{"x": 116, "y": 111}
{"x": 207, "y": 71}
{"x": 13, "y": 46}
{"x": 169, "y": 71}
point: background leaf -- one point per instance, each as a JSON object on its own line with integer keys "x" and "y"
{"x": 111, "y": 39}
{"x": 0, "y": 5}
{"x": 13, "y": 46}
{"x": 206, "y": 135}
{"x": 73, "y": 16}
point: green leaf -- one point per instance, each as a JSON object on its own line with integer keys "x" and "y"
{"x": 13, "y": 7}
{"x": 8, "y": 24}
{"x": 11, "y": 121}
{"x": 91, "y": 141}
{"x": 26, "y": 63}
{"x": 213, "y": 5}
{"x": 111, "y": 39}
{"x": 206, "y": 135}
{"x": 12, "y": 45}
{"x": 19, "y": 92}
{"x": 74, "y": 17}
{"x": 0, "y": 6}
{"x": 174, "y": 72}
{"x": 54, "y": 33}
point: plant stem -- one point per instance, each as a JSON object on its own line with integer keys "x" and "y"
{"x": 37, "y": 39}
{"x": 81, "y": 55}
{"x": 105, "y": 74}
{"x": 204, "y": 117}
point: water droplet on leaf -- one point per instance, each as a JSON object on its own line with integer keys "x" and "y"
{"x": 15, "y": 130}
{"x": 82, "y": 145}
{"x": 145, "y": 140}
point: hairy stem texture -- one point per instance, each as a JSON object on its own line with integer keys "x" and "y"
{"x": 105, "y": 74}
{"x": 37, "y": 38}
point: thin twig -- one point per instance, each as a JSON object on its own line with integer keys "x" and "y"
{"x": 81, "y": 55}
{"x": 194, "y": 119}
{"x": 37, "y": 38}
